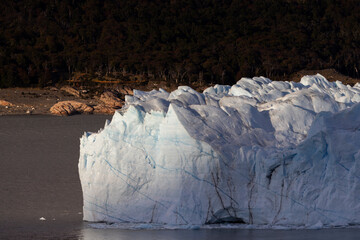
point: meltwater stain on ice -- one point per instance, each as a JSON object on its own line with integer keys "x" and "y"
{"x": 257, "y": 153}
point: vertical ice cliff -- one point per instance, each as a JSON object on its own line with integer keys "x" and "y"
{"x": 259, "y": 152}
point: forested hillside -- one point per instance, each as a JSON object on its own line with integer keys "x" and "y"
{"x": 43, "y": 42}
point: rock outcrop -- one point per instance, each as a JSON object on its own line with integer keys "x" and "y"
{"x": 71, "y": 91}
{"x": 5, "y": 103}
{"x": 111, "y": 99}
{"x": 67, "y": 108}
{"x": 125, "y": 90}
{"x": 102, "y": 109}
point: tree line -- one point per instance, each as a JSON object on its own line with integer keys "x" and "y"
{"x": 43, "y": 42}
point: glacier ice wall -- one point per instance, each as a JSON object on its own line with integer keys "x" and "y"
{"x": 259, "y": 152}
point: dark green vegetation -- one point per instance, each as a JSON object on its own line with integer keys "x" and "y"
{"x": 43, "y": 42}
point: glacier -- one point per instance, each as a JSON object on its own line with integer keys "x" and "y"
{"x": 259, "y": 152}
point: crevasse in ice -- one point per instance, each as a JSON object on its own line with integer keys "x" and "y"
{"x": 258, "y": 152}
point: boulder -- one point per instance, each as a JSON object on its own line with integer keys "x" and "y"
{"x": 125, "y": 90}
{"x": 5, "y": 103}
{"x": 111, "y": 99}
{"x": 67, "y": 108}
{"x": 71, "y": 91}
{"x": 102, "y": 109}
{"x": 129, "y": 90}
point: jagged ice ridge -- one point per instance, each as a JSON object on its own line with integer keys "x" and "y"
{"x": 259, "y": 152}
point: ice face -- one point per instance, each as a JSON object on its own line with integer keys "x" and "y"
{"x": 259, "y": 152}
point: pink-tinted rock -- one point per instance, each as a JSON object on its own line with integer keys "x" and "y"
{"x": 102, "y": 109}
{"x": 125, "y": 90}
{"x": 128, "y": 90}
{"x": 5, "y": 103}
{"x": 111, "y": 99}
{"x": 71, "y": 91}
{"x": 67, "y": 108}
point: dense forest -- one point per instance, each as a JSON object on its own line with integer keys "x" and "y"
{"x": 44, "y": 42}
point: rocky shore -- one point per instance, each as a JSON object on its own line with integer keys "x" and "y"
{"x": 69, "y": 100}
{"x": 62, "y": 101}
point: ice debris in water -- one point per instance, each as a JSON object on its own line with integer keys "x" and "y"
{"x": 259, "y": 152}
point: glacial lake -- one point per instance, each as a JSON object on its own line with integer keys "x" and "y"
{"x": 39, "y": 179}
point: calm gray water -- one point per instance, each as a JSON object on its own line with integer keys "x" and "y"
{"x": 39, "y": 178}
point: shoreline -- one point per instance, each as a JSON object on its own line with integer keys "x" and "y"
{"x": 105, "y": 99}
{"x": 36, "y": 101}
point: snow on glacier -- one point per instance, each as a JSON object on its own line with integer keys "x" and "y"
{"x": 259, "y": 152}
